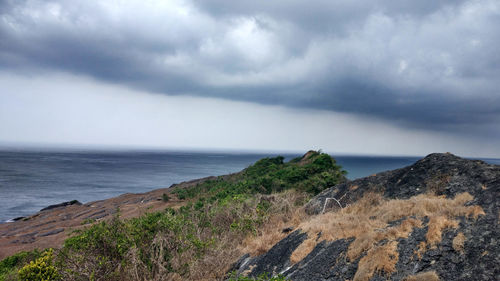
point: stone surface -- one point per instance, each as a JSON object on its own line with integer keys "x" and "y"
{"x": 63, "y": 204}
{"x": 443, "y": 174}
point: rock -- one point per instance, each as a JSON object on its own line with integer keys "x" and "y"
{"x": 444, "y": 173}
{"x": 440, "y": 174}
{"x": 63, "y": 204}
{"x": 52, "y": 232}
{"x": 276, "y": 260}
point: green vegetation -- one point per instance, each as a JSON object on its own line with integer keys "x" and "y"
{"x": 313, "y": 173}
{"x": 40, "y": 270}
{"x": 10, "y": 265}
{"x": 201, "y": 238}
{"x": 87, "y": 221}
{"x": 165, "y": 197}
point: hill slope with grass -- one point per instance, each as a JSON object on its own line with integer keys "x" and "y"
{"x": 435, "y": 220}
{"x": 191, "y": 231}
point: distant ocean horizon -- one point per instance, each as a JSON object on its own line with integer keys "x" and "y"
{"x": 31, "y": 180}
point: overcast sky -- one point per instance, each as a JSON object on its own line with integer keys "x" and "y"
{"x": 365, "y": 77}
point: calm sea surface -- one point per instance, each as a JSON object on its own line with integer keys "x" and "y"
{"x": 30, "y": 181}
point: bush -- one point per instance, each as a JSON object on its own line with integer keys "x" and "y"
{"x": 95, "y": 251}
{"x": 10, "y": 265}
{"x": 202, "y": 235}
{"x": 40, "y": 270}
{"x": 165, "y": 197}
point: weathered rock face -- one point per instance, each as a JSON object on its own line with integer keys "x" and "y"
{"x": 469, "y": 251}
{"x": 63, "y": 204}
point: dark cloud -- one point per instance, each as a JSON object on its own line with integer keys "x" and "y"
{"x": 425, "y": 64}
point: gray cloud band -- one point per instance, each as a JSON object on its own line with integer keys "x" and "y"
{"x": 425, "y": 64}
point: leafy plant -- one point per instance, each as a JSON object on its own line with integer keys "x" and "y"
{"x": 41, "y": 269}
{"x": 186, "y": 242}
{"x": 165, "y": 197}
{"x": 10, "y": 265}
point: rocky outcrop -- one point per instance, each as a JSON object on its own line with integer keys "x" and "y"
{"x": 63, "y": 204}
{"x": 467, "y": 246}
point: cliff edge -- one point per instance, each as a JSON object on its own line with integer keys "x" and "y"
{"x": 437, "y": 219}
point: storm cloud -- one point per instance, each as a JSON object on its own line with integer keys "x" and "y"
{"x": 431, "y": 65}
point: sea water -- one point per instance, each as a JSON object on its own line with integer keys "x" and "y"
{"x": 30, "y": 181}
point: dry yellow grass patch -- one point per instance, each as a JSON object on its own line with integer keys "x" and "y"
{"x": 378, "y": 259}
{"x": 367, "y": 222}
{"x": 285, "y": 212}
{"x": 422, "y": 247}
{"x": 424, "y": 276}
{"x": 270, "y": 234}
{"x": 436, "y": 226}
{"x": 458, "y": 242}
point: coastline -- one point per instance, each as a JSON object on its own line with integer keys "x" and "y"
{"x": 50, "y": 227}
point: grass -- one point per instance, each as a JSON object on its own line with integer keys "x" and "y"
{"x": 10, "y": 265}
{"x": 369, "y": 222}
{"x": 312, "y": 174}
{"x": 381, "y": 258}
{"x": 458, "y": 242}
{"x": 424, "y": 276}
{"x": 218, "y": 220}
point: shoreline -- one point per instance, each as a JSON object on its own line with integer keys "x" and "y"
{"x": 48, "y": 228}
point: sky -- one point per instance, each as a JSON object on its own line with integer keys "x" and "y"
{"x": 350, "y": 77}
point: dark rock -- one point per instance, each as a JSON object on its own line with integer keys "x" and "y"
{"x": 326, "y": 262}
{"x": 63, "y": 204}
{"x": 276, "y": 260}
{"x": 52, "y": 232}
{"x": 442, "y": 174}
{"x": 97, "y": 215}
{"x": 286, "y": 230}
{"x": 445, "y": 173}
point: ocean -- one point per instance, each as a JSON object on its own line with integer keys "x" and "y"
{"x": 30, "y": 181}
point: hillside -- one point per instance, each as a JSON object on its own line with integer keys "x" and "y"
{"x": 435, "y": 220}
{"x": 191, "y": 231}
{"x": 300, "y": 220}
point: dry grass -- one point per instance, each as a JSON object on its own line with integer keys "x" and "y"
{"x": 421, "y": 248}
{"x": 303, "y": 250}
{"x": 458, "y": 242}
{"x": 285, "y": 212}
{"x": 424, "y": 276}
{"x": 367, "y": 221}
{"x": 436, "y": 226}
{"x": 217, "y": 261}
{"x": 378, "y": 259}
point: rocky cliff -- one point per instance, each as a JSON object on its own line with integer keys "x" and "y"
{"x": 437, "y": 219}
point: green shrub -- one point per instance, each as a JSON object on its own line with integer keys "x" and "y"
{"x": 218, "y": 213}
{"x": 165, "y": 197}
{"x": 10, "y": 265}
{"x": 95, "y": 251}
{"x": 88, "y": 221}
{"x": 40, "y": 270}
